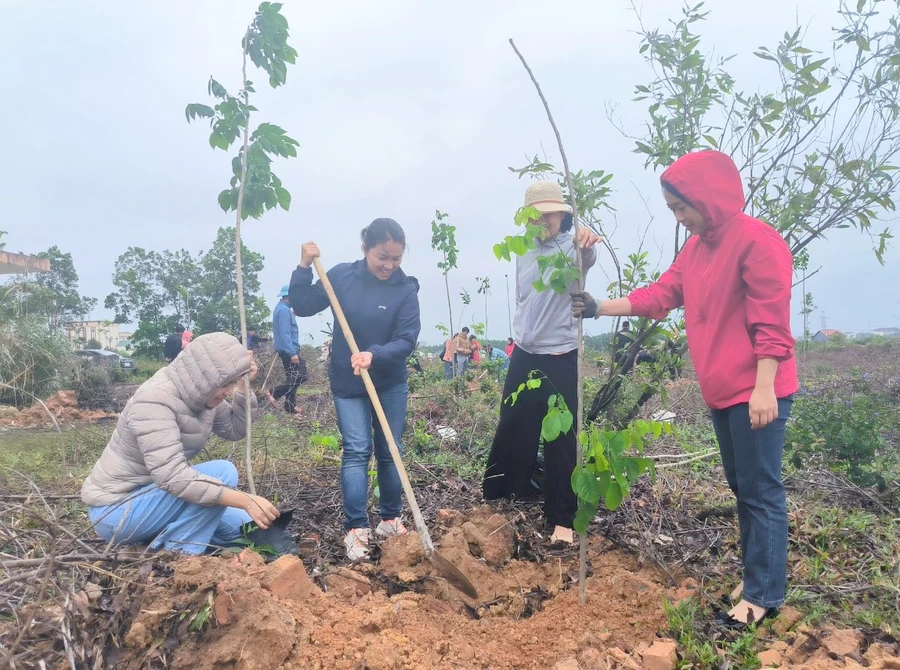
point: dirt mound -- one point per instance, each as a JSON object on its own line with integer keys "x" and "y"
{"x": 237, "y": 612}
{"x": 208, "y": 613}
{"x": 64, "y": 407}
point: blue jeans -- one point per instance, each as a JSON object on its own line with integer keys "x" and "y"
{"x": 151, "y": 515}
{"x": 752, "y": 462}
{"x": 448, "y": 370}
{"x": 357, "y": 421}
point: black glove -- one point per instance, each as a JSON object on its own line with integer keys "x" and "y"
{"x": 583, "y": 305}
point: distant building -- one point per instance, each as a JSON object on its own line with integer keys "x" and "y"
{"x": 886, "y": 332}
{"x": 826, "y": 335}
{"x": 124, "y": 341}
{"x": 106, "y": 333}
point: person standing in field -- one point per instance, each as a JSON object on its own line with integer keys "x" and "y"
{"x": 174, "y": 344}
{"x": 287, "y": 346}
{"x": 546, "y": 341}
{"x": 381, "y": 304}
{"x": 510, "y": 345}
{"x": 462, "y": 349}
{"x": 733, "y": 277}
{"x": 475, "y": 356}
{"x": 186, "y": 338}
{"x": 252, "y": 338}
{"x": 497, "y": 354}
{"x": 448, "y": 358}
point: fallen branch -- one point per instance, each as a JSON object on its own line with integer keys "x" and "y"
{"x": 67, "y": 558}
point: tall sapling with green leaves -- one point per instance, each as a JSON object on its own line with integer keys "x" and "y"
{"x": 443, "y": 239}
{"x": 254, "y": 188}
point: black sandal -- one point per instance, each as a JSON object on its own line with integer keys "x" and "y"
{"x": 726, "y": 621}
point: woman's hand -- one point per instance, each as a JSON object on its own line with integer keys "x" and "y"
{"x": 261, "y": 511}
{"x": 583, "y": 305}
{"x": 254, "y": 368}
{"x": 763, "y": 407}
{"x": 308, "y": 251}
{"x": 361, "y": 361}
{"x": 586, "y": 238}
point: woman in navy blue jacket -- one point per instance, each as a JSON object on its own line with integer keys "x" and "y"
{"x": 382, "y": 307}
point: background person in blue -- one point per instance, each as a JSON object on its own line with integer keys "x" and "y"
{"x": 287, "y": 346}
{"x": 382, "y": 307}
{"x": 497, "y": 354}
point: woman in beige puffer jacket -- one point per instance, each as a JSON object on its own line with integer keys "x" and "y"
{"x": 142, "y": 489}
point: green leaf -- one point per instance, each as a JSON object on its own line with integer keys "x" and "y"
{"x": 284, "y": 198}
{"x": 565, "y": 421}
{"x": 613, "y": 497}
{"x": 216, "y": 89}
{"x": 195, "y": 110}
{"x": 617, "y": 444}
{"x": 550, "y": 427}
{"x": 226, "y": 200}
{"x": 632, "y": 469}
{"x": 517, "y": 245}
{"x": 583, "y": 518}
{"x": 534, "y": 383}
{"x": 585, "y": 486}
{"x": 539, "y": 285}
{"x": 603, "y": 481}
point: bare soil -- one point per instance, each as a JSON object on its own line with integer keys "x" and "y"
{"x": 273, "y": 616}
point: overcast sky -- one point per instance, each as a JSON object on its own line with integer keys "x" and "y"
{"x": 400, "y": 108}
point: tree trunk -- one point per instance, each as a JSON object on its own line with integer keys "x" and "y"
{"x": 450, "y": 314}
{"x": 239, "y": 272}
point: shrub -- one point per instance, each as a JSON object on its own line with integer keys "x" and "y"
{"x": 93, "y": 386}
{"x": 843, "y": 425}
{"x": 30, "y": 361}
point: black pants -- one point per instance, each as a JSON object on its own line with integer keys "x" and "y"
{"x": 515, "y": 448}
{"x": 294, "y": 375}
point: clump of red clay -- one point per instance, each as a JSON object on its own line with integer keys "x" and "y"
{"x": 263, "y": 617}
{"x": 274, "y": 616}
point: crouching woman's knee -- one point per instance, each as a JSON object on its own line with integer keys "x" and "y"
{"x": 224, "y": 471}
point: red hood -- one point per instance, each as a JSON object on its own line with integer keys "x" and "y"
{"x": 711, "y": 183}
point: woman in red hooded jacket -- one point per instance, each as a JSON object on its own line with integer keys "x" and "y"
{"x": 733, "y": 278}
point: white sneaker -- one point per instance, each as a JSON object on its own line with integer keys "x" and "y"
{"x": 390, "y": 528}
{"x": 357, "y": 543}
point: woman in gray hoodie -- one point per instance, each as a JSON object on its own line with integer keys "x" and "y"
{"x": 143, "y": 488}
{"x": 546, "y": 342}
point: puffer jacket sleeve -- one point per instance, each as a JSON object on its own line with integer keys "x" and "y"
{"x": 230, "y": 422}
{"x": 155, "y": 428}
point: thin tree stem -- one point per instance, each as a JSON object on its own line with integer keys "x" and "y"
{"x": 238, "y": 268}
{"x": 582, "y": 537}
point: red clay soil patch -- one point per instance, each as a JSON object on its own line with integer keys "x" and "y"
{"x": 830, "y": 649}
{"x": 63, "y": 405}
{"x": 275, "y": 617}
{"x": 210, "y": 613}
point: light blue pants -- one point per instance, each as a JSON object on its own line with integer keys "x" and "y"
{"x": 357, "y": 422}
{"x": 151, "y": 515}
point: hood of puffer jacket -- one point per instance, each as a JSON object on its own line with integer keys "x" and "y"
{"x": 209, "y": 363}
{"x": 710, "y": 183}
